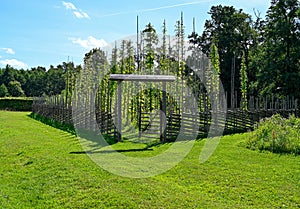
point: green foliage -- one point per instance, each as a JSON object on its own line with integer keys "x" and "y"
{"x": 39, "y": 81}
{"x": 16, "y": 104}
{"x": 278, "y": 62}
{"x": 244, "y": 89}
{"x": 150, "y": 38}
{"x": 268, "y": 48}
{"x": 232, "y": 32}
{"x": 215, "y": 59}
{"x": 164, "y": 40}
{"x": 8, "y": 74}
{"x": 3, "y": 90}
{"x": 213, "y": 76}
{"x": 130, "y": 62}
{"x": 15, "y": 89}
{"x": 277, "y": 135}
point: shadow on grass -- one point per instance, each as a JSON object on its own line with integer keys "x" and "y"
{"x": 89, "y": 135}
{"x": 111, "y": 151}
{"x": 64, "y": 127}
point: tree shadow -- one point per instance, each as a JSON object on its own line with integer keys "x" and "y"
{"x": 55, "y": 124}
{"x": 84, "y": 133}
{"x": 111, "y": 151}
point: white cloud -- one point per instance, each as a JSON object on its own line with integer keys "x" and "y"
{"x": 69, "y": 5}
{"x": 77, "y": 12}
{"x": 90, "y": 42}
{"x": 8, "y": 50}
{"x": 80, "y": 14}
{"x": 14, "y": 63}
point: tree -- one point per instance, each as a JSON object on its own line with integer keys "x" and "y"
{"x": 279, "y": 71}
{"x": 15, "y": 89}
{"x": 3, "y": 91}
{"x": 36, "y": 82}
{"x": 150, "y": 39}
{"x": 256, "y": 58}
{"x": 233, "y": 34}
{"x": 8, "y": 75}
{"x": 55, "y": 80}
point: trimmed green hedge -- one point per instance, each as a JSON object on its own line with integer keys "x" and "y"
{"x": 16, "y": 104}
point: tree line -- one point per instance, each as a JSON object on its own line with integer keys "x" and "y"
{"x": 37, "y": 81}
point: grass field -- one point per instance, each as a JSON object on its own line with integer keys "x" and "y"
{"x": 41, "y": 167}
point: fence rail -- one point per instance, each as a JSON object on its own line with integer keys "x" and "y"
{"x": 187, "y": 124}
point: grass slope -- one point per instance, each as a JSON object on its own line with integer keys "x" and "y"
{"x": 38, "y": 170}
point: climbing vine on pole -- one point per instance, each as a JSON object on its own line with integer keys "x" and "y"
{"x": 244, "y": 80}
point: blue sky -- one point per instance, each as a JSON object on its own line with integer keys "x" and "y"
{"x": 49, "y": 32}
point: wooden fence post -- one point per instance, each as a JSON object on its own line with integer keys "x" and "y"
{"x": 119, "y": 118}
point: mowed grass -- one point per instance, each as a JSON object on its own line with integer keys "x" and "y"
{"x": 39, "y": 169}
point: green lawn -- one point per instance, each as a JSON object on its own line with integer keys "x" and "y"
{"x": 41, "y": 167}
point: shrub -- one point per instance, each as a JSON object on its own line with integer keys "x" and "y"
{"x": 276, "y": 134}
{"x": 16, "y": 104}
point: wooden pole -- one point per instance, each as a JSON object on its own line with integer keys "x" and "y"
{"x": 194, "y": 28}
{"x": 137, "y": 44}
{"x": 119, "y": 117}
{"x": 232, "y": 82}
{"x": 163, "y": 115}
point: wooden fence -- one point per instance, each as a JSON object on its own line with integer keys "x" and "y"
{"x": 187, "y": 124}
{"x": 233, "y": 121}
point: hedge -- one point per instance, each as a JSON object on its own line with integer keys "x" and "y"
{"x": 16, "y": 104}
